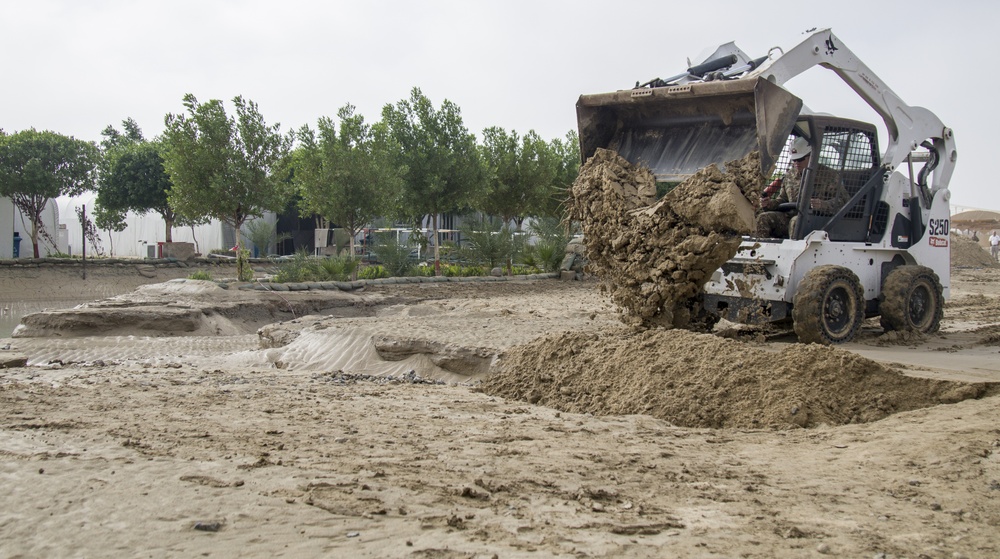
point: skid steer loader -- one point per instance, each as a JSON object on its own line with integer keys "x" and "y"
{"x": 884, "y": 252}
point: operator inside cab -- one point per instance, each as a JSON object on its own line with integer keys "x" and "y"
{"x": 779, "y": 202}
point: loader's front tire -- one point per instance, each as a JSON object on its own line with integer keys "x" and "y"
{"x": 829, "y": 306}
{"x": 912, "y": 300}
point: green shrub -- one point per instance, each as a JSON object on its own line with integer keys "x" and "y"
{"x": 550, "y": 248}
{"x": 451, "y": 271}
{"x": 243, "y": 270}
{"x": 525, "y": 270}
{"x": 548, "y": 254}
{"x": 294, "y": 270}
{"x": 424, "y": 271}
{"x": 260, "y": 233}
{"x": 200, "y": 275}
{"x": 336, "y": 268}
{"x": 373, "y": 272}
{"x": 303, "y": 267}
{"x": 392, "y": 255}
{"x": 459, "y": 271}
{"x": 487, "y": 242}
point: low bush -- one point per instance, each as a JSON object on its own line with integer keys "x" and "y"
{"x": 424, "y": 271}
{"x": 550, "y": 248}
{"x": 303, "y": 267}
{"x": 337, "y": 269}
{"x": 200, "y": 275}
{"x": 392, "y": 255}
{"x": 459, "y": 271}
{"x": 373, "y": 272}
{"x": 525, "y": 270}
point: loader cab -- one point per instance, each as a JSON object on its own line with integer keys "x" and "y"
{"x": 846, "y": 152}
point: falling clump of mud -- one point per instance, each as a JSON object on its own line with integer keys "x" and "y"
{"x": 701, "y": 380}
{"x": 654, "y": 257}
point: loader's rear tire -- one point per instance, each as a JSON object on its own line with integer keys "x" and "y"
{"x": 912, "y": 300}
{"x": 829, "y": 306}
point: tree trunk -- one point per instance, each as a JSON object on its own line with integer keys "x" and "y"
{"x": 350, "y": 242}
{"x": 170, "y": 228}
{"x": 352, "y": 231}
{"x": 518, "y": 221}
{"x": 437, "y": 247}
{"x": 34, "y": 234}
{"x": 241, "y": 263}
{"x": 196, "y": 247}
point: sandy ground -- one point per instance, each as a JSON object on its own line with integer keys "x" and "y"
{"x": 295, "y": 444}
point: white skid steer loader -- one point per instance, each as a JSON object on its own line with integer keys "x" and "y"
{"x": 883, "y": 250}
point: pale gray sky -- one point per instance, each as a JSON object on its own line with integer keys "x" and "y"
{"x": 75, "y": 66}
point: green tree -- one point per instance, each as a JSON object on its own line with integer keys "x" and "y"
{"x": 444, "y": 169}
{"x": 133, "y": 177}
{"x": 521, "y": 172}
{"x": 130, "y": 134}
{"x": 36, "y": 167}
{"x": 567, "y": 152}
{"x": 223, "y": 167}
{"x": 109, "y": 221}
{"x": 348, "y": 176}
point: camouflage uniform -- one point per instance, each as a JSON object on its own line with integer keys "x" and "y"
{"x": 828, "y": 197}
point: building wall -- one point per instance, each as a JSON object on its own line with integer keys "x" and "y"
{"x": 12, "y": 221}
{"x": 140, "y": 233}
{"x": 6, "y": 228}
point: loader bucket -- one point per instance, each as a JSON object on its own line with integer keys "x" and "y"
{"x": 676, "y": 130}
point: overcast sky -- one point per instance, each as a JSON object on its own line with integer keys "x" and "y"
{"x": 76, "y": 66}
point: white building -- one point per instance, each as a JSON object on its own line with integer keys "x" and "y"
{"x": 14, "y": 225}
{"x": 138, "y": 240}
{"x": 140, "y": 237}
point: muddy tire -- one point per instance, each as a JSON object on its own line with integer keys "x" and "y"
{"x": 912, "y": 300}
{"x": 829, "y": 306}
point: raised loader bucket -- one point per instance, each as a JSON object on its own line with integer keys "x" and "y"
{"x": 676, "y": 130}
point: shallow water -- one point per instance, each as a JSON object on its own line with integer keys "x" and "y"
{"x": 12, "y": 311}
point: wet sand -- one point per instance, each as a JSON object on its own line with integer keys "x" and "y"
{"x": 193, "y": 445}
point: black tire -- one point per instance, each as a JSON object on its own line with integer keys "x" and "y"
{"x": 829, "y": 306}
{"x": 912, "y": 300}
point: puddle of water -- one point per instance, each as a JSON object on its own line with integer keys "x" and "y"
{"x": 12, "y": 311}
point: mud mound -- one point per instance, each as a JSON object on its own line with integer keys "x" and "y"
{"x": 654, "y": 257}
{"x": 700, "y": 380}
{"x": 966, "y": 253}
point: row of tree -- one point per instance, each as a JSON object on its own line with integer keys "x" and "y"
{"x": 417, "y": 161}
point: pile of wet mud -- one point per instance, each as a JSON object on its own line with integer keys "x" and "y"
{"x": 653, "y": 257}
{"x": 966, "y": 253}
{"x": 701, "y": 380}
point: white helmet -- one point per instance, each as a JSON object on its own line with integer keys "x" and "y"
{"x": 800, "y": 148}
